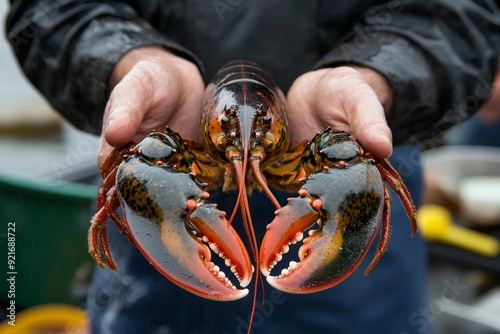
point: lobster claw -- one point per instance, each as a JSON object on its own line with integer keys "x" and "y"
{"x": 225, "y": 241}
{"x": 347, "y": 223}
{"x": 280, "y": 233}
{"x": 171, "y": 222}
{"x": 179, "y": 251}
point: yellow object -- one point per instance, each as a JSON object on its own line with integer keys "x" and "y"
{"x": 51, "y": 318}
{"x": 436, "y": 224}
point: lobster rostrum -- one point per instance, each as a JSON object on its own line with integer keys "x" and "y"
{"x": 161, "y": 184}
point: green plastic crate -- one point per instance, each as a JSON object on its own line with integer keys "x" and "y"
{"x": 51, "y": 222}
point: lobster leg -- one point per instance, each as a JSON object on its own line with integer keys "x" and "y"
{"x": 107, "y": 183}
{"x": 113, "y": 160}
{"x": 107, "y": 203}
{"x": 386, "y": 230}
{"x": 97, "y": 231}
{"x": 392, "y": 177}
{"x": 122, "y": 226}
{"x": 97, "y": 227}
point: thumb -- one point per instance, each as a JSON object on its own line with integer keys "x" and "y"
{"x": 125, "y": 110}
{"x": 376, "y": 139}
{"x": 369, "y": 127}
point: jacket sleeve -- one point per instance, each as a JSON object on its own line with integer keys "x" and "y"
{"x": 67, "y": 49}
{"x": 438, "y": 56}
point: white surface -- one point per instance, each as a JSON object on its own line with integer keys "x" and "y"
{"x": 480, "y": 198}
{"x": 446, "y": 169}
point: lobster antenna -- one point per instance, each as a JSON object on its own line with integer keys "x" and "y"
{"x": 236, "y": 206}
{"x": 255, "y": 163}
{"x": 247, "y": 223}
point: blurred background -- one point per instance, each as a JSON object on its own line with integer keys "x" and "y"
{"x": 46, "y": 169}
{"x": 46, "y": 191}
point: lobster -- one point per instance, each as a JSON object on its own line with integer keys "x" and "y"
{"x": 161, "y": 183}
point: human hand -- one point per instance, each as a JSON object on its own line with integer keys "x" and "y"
{"x": 152, "y": 88}
{"x": 346, "y": 98}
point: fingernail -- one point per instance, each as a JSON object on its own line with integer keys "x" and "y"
{"x": 385, "y": 137}
{"x": 115, "y": 115}
{"x": 111, "y": 120}
{"x": 387, "y": 141}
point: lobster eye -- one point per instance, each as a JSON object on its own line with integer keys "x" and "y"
{"x": 225, "y": 122}
{"x": 266, "y": 120}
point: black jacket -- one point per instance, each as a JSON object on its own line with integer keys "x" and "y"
{"x": 439, "y": 56}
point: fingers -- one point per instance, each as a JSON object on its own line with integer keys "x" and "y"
{"x": 373, "y": 134}
{"x": 153, "y": 88}
{"x": 366, "y": 118}
{"x": 346, "y": 99}
{"x": 368, "y": 114}
{"x": 305, "y": 120}
{"x": 128, "y": 103}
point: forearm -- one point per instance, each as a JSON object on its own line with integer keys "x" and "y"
{"x": 425, "y": 55}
